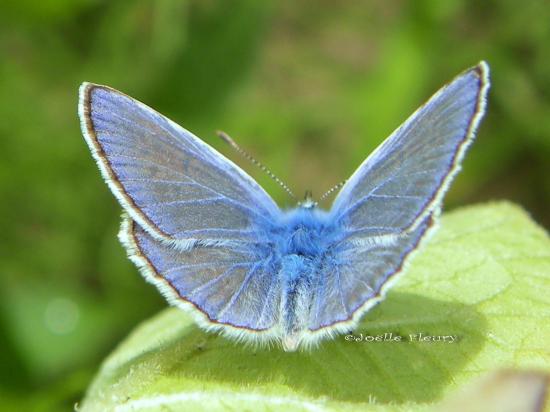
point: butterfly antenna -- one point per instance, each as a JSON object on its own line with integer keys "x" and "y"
{"x": 225, "y": 137}
{"x": 332, "y": 189}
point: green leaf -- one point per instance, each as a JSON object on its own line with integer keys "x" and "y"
{"x": 483, "y": 279}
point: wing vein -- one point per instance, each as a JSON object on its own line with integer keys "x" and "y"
{"x": 215, "y": 280}
{"x": 236, "y": 295}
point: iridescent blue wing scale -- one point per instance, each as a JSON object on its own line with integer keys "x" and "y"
{"x": 405, "y": 179}
{"x": 169, "y": 181}
{"x": 196, "y": 224}
{"x": 388, "y": 206}
{"x": 360, "y": 274}
{"x": 227, "y": 284}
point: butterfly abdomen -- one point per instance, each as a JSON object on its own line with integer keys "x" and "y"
{"x": 302, "y": 249}
{"x": 297, "y": 278}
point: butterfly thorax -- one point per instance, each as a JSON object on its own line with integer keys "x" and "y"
{"x": 305, "y": 232}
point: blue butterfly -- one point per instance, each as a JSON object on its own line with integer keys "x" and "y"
{"x": 216, "y": 245}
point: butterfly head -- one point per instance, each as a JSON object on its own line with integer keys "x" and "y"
{"x": 308, "y": 202}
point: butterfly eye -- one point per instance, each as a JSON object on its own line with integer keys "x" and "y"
{"x": 308, "y": 202}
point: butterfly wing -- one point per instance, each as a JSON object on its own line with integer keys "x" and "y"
{"x": 174, "y": 185}
{"x": 404, "y": 180}
{"x": 358, "y": 275}
{"x": 197, "y": 225}
{"x": 231, "y": 284}
{"x": 388, "y": 206}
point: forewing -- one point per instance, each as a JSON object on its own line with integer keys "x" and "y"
{"x": 174, "y": 185}
{"x": 355, "y": 275}
{"x": 405, "y": 178}
{"x": 232, "y": 284}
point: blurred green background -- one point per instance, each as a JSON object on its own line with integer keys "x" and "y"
{"x": 309, "y": 88}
